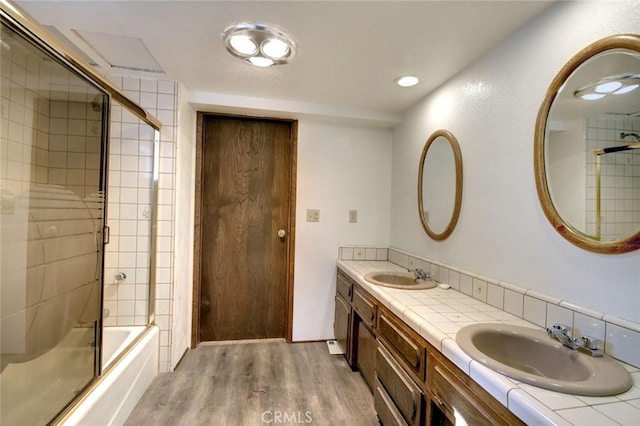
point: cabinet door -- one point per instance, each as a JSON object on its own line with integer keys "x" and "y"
{"x": 405, "y": 393}
{"x": 367, "y": 346}
{"x": 452, "y": 402}
{"x": 341, "y": 325}
{"x": 344, "y": 287}
{"x": 385, "y": 408}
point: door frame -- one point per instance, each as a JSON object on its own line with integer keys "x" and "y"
{"x": 197, "y": 261}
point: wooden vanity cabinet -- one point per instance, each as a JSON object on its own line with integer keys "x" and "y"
{"x": 366, "y": 354}
{"x": 396, "y": 391}
{"x": 407, "y": 345}
{"x": 365, "y": 306}
{"x": 453, "y": 397}
{"x": 411, "y": 381}
{"x": 365, "y": 344}
{"x": 343, "y": 317}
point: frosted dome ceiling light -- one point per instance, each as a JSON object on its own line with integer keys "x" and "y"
{"x": 261, "y": 62}
{"x": 407, "y": 81}
{"x": 275, "y": 49}
{"x": 258, "y": 44}
{"x": 613, "y": 85}
{"x": 609, "y": 87}
{"x": 243, "y": 44}
{"x": 626, "y": 89}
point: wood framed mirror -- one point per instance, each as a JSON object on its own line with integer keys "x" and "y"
{"x": 587, "y": 147}
{"x": 440, "y": 184}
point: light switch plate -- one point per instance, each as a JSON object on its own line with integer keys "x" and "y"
{"x": 313, "y": 215}
{"x": 353, "y": 216}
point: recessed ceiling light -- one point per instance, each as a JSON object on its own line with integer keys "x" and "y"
{"x": 275, "y": 48}
{"x": 626, "y": 89}
{"x": 259, "y": 61}
{"x": 258, "y": 44}
{"x": 592, "y": 96}
{"x": 612, "y": 85}
{"x": 243, "y": 44}
{"x": 608, "y": 87}
{"x": 407, "y": 81}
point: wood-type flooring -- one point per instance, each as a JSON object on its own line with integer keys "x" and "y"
{"x": 257, "y": 383}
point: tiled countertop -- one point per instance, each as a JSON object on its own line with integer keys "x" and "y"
{"x": 438, "y": 314}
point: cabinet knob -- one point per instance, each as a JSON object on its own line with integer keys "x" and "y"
{"x": 282, "y": 233}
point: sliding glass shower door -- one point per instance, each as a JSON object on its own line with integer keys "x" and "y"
{"x": 52, "y": 190}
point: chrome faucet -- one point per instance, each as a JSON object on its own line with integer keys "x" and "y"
{"x": 586, "y": 344}
{"x": 420, "y": 274}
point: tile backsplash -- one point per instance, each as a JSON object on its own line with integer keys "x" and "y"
{"x": 620, "y": 178}
{"x": 621, "y": 338}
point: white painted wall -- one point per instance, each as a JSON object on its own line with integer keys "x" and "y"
{"x": 340, "y": 168}
{"x": 184, "y": 205}
{"x": 491, "y": 108}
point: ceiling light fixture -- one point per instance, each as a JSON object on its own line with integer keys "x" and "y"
{"x": 614, "y": 85}
{"x": 407, "y": 81}
{"x": 258, "y": 44}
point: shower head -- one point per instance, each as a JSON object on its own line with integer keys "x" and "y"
{"x": 635, "y": 135}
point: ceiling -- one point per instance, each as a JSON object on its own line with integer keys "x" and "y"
{"x": 349, "y": 52}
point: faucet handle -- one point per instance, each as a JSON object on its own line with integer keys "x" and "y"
{"x": 590, "y": 346}
{"x": 565, "y": 329}
{"x": 590, "y": 342}
{"x": 421, "y": 274}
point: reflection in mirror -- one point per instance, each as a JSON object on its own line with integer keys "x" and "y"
{"x": 440, "y": 184}
{"x": 588, "y": 147}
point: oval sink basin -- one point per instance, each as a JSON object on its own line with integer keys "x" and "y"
{"x": 532, "y": 357}
{"x": 403, "y": 280}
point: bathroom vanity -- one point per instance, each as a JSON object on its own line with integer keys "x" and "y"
{"x": 412, "y": 382}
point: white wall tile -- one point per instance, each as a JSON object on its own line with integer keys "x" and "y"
{"x": 535, "y": 310}
{"x": 623, "y": 343}
{"x": 495, "y": 295}
{"x": 466, "y": 284}
{"x": 454, "y": 280}
{"x": 479, "y": 289}
{"x": 585, "y": 325}
{"x": 514, "y": 302}
{"x": 559, "y": 315}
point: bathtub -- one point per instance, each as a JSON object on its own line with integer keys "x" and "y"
{"x": 110, "y": 400}
{"x": 115, "y": 340}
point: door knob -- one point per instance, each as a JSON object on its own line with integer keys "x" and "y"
{"x": 282, "y": 233}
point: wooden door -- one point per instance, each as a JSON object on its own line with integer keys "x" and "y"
{"x": 246, "y": 199}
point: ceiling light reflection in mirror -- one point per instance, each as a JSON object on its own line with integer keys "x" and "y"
{"x": 587, "y": 159}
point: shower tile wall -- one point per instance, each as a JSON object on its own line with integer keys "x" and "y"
{"x": 51, "y": 221}
{"x": 24, "y": 153}
{"x": 49, "y": 147}
{"x": 158, "y": 97}
{"x": 620, "y": 178}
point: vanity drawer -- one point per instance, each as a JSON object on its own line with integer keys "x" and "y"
{"x": 451, "y": 398}
{"x": 404, "y": 392}
{"x": 400, "y": 339}
{"x": 344, "y": 287}
{"x": 385, "y": 408}
{"x": 365, "y": 307}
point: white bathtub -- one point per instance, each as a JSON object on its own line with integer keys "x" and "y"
{"x": 115, "y": 340}
{"x": 118, "y": 391}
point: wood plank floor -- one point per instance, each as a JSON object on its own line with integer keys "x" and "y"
{"x": 270, "y": 382}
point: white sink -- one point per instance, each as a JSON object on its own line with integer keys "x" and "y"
{"x": 529, "y": 355}
{"x": 404, "y": 280}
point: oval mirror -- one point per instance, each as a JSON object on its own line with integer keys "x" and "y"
{"x": 587, "y": 147}
{"x": 440, "y": 184}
